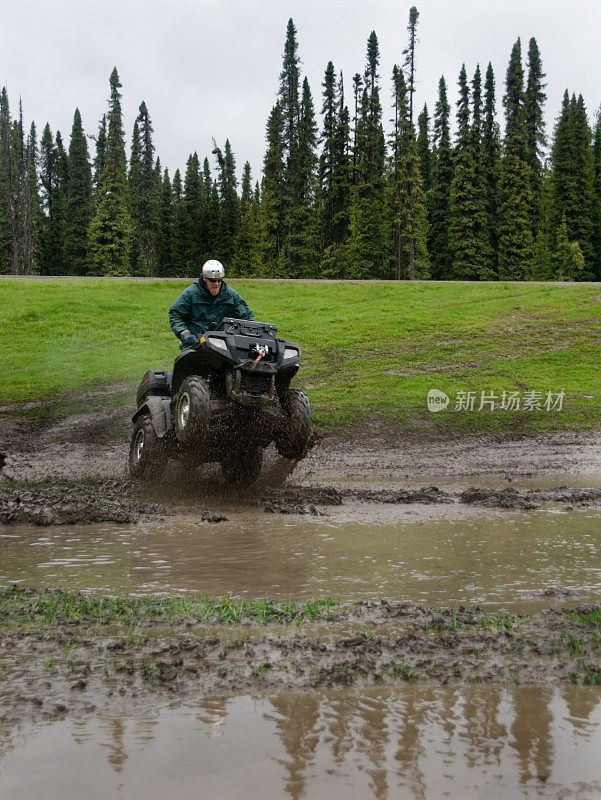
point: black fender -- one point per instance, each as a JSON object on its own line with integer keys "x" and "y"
{"x": 159, "y": 410}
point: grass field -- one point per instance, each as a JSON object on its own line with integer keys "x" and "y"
{"x": 369, "y": 348}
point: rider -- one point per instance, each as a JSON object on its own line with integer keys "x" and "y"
{"x": 204, "y": 304}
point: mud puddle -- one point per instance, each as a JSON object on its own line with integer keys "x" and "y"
{"x": 517, "y": 561}
{"x": 468, "y": 742}
{"x": 372, "y": 699}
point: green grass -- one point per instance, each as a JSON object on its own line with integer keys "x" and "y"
{"x": 498, "y": 624}
{"x": 23, "y": 609}
{"x": 590, "y": 618}
{"x": 404, "y": 672}
{"x": 369, "y": 348}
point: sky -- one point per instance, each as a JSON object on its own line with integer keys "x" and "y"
{"x": 210, "y": 69}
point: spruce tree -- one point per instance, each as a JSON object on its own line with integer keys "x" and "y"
{"x": 567, "y": 259}
{"x": 303, "y": 255}
{"x": 79, "y": 204}
{"x": 213, "y": 223}
{"x": 335, "y": 187}
{"x": 326, "y": 158}
{"x": 245, "y": 244}
{"x": 54, "y": 178}
{"x": 491, "y": 154}
{"x": 9, "y": 250}
{"x": 407, "y": 199}
{"x": 179, "y": 264}
{"x": 34, "y": 221}
{"x": 515, "y": 193}
{"x": 290, "y": 108}
{"x": 596, "y": 206}
{"x": 423, "y": 149}
{"x": 367, "y": 253}
{"x": 164, "y": 233}
{"x": 229, "y": 219}
{"x": 134, "y": 185}
{"x": 534, "y": 101}
{"x": 409, "y": 54}
{"x": 288, "y": 96}
{"x": 562, "y": 163}
{"x": 23, "y": 243}
{"x": 144, "y": 196}
{"x": 462, "y": 208}
{"x": 442, "y": 176}
{"x": 47, "y": 184}
{"x": 111, "y": 226}
{"x": 357, "y": 95}
{"x": 100, "y": 157}
{"x": 572, "y": 178}
{"x": 194, "y": 212}
{"x": 212, "y": 210}
{"x": 469, "y": 234}
{"x": 581, "y": 228}
{"x": 59, "y": 215}
{"x": 271, "y": 210}
{"x": 483, "y": 223}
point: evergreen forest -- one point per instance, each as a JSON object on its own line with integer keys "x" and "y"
{"x": 447, "y": 193}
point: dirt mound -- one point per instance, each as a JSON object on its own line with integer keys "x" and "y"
{"x": 502, "y": 498}
{"x": 126, "y": 501}
{"x": 72, "y": 504}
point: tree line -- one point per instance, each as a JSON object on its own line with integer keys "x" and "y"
{"x": 446, "y": 197}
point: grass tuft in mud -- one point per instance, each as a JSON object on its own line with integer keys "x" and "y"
{"x": 590, "y": 618}
{"x": 500, "y": 623}
{"x": 404, "y": 672}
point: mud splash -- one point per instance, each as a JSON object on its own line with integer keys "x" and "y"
{"x": 59, "y": 445}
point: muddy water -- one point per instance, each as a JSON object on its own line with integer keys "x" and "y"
{"x": 418, "y": 743}
{"x": 502, "y": 560}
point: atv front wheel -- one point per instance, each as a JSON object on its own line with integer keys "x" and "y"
{"x": 146, "y": 457}
{"x": 293, "y": 442}
{"x": 192, "y": 410}
{"x": 242, "y": 467}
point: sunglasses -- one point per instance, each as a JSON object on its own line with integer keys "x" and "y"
{"x": 214, "y": 280}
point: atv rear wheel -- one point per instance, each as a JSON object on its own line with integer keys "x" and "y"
{"x": 192, "y": 410}
{"x": 146, "y": 457}
{"x": 242, "y": 467}
{"x": 293, "y": 442}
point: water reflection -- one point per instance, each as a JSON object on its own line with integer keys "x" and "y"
{"x": 506, "y": 560}
{"x": 470, "y": 742}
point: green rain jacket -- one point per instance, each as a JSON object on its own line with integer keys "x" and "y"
{"x": 197, "y": 310}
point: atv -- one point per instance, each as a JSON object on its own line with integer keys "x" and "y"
{"x": 227, "y": 399}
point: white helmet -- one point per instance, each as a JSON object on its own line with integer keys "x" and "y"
{"x": 213, "y": 270}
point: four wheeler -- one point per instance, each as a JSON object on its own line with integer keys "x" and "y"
{"x": 227, "y": 399}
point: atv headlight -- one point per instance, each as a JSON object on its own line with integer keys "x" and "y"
{"x": 290, "y": 352}
{"x": 217, "y": 342}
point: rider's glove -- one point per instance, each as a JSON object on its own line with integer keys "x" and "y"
{"x": 188, "y": 339}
